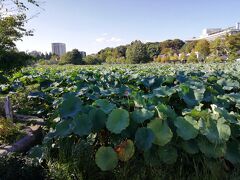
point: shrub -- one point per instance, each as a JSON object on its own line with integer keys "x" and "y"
{"x": 21, "y": 168}
{"x": 11, "y": 60}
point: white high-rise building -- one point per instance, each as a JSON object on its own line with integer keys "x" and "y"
{"x": 211, "y": 34}
{"x": 58, "y": 48}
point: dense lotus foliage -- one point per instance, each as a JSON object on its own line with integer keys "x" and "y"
{"x": 155, "y": 112}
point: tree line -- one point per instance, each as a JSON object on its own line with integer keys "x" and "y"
{"x": 221, "y": 49}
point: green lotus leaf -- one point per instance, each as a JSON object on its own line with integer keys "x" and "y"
{"x": 98, "y": 118}
{"x": 162, "y": 132}
{"x": 166, "y": 112}
{"x": 70, "y": 107}
{"x": 105, "y": 105}
{"x": 228, "y": 84}
{"x": 187, "y": 94}
{"x": 125, "y": 150}
{"x": 82, "y": 125}
{"x": 210, "y": 149}
{"x": 63, "y": 128}
{"x": 144, "y": 138}
{"x": 163, "y": 91}
{"x": 106, "y": 158}
{"x": 233, "y": 152}
{"x": 235, "y": 97}
{"x": 142, "y": 115}
{"x": 167, "y": 154}
{"x": 118, "y": 120}
{"x": 216, "y": 130}
{"x": 222, "y": 112}
{"x": 187, "y": 127}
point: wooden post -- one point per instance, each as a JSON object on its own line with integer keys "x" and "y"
{"x": 8, "y": 108}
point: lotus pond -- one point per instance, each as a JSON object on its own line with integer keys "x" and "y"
{"x": 148, "y": 121}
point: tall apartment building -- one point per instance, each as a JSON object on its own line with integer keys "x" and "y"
{"x": 58, "y": 48}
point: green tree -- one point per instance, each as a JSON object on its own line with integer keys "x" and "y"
{"x": 72, "y": 57}
{"x": 188, "y": 47}
{"x": 218, "y": 47}
{"x": 13, "y": 19}
{"x": 11, "y": 30}
{"x": 183, "y": 56}
{"x": 192, "y": 58}
{"x": 12, "y": 60}
{"x": 202, "y": 47}
{"x": 137, "y": 53}
{"x": 153, "y": 49}
{"x": 174, "y": 57}
{"x": 175, "y": 45}
{"x": 233, "y": 46}
{"x": 91, "y": 59}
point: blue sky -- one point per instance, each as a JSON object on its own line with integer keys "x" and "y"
{"x": 90, "y": 25}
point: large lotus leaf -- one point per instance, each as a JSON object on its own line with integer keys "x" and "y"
{"x": 224, "y": 130}
{"x": 125, "y": 150}
{"x": 82, "y": 125}
{"x": 199, "y": 93}
{"x": 208, "y": 127}
{"x": 216, "y": 130}
{"x": 187, "y": 127}
{"x": 233, "y": 152}
{"x": 98, "y": 118}
{"x": 105, "y": 105}
{"x": 149, "y": 81}
{"x": 228, "y": 84}
{"x": 164, "y": 91}
{"x": 70, "y": 107}
{"x": 221, "y": 102}
{"x": 187, "y": 94}
{"x": 118, "y": 120}
{"x": 144, "y": 138}
{"x": 151, "y": 156}
{"x": 63, "y": 128}
{"x": 162, "y": 132}
{"x": 142, "y": 115}
{"x": 165, "y": 112}
{"x": 222, "y": 112}
{"x": 197, "y": 113}
{"x": 190, "y": 147}
{"x": 235, "y": 97}
{"x": 139, "y": 101}
{"x": 167, "y": 154}
{"x": 210, "y": 149}
{"x": 106, "y": 158}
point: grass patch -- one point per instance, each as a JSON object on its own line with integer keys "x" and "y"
{"x": 10, "y": 132}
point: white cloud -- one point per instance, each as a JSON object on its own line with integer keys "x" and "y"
{"x": 101, "y": 39}
{"x": 106, "y": 39}
{"x": 114, "y": 39}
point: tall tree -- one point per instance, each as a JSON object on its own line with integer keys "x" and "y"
{"x": 137, "y": 53}
{"x": 233, "y": 46}
{"x": 13, "y": 19}
{"x": 202, "y": 47}
{"x": 72, "y": 57}
{"x": 153, "y": 49}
